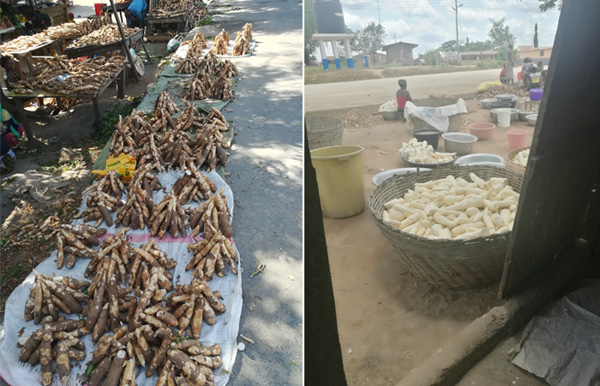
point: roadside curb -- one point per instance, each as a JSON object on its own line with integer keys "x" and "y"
{"x": 449, "y": 363}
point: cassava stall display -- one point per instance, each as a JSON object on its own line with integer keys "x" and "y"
{"x": 220, "y": 43}
{"x": 212, "y": 214}
{"x": 107, "y": 34}
{"x": 189, "y": 119}
{"x": 164, "y": 102}
{"x": 454, "y": 208}
{"x": 56, "y": 340}
{"x": 51, "y": 295}
{"x": 193, "y": 303}
{"x": 221, "y": 89}
{"x": 192, "y": 187}
{"x": 73, "y": 241}
{"x": 168, "y": 214}
{"x": 137, "y": 209}
{"x": 123, "y": 139}
{"x": 211, "y": 255}
{"x": 103, "y": 199}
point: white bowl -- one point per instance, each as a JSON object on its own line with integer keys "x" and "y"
{"x": 459, "y": 143}
{"x": 380, "y": 177}
{"x": 480, "y": 159}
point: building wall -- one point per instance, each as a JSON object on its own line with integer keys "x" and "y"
{"x": 399, "y": 54}
{"x": 535, "y": 55}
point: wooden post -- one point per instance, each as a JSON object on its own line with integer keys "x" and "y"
{"x": 125, "y": 45}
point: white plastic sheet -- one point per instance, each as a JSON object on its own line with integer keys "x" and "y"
{"x": 224, "y": 332}
{"x": 437, "y": 117}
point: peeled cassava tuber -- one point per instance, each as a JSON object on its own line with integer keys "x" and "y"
{"x": 221, "y": 89}
{"x": 136, "y": 211}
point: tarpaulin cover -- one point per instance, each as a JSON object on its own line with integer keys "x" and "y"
{"x": 562, "y": 345}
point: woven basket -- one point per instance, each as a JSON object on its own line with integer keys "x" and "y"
{"x": 444, "y": 263}
{"x": 512, "y": 165}
{"x": 324, "y": 131}
{"x": 436, "y": 102}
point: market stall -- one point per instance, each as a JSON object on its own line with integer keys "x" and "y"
{"x": 167, "y": 17}
{"x": 151, "y": 263}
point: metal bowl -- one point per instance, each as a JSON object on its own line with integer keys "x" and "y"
{"x": 506, "y": 97}
{"x": 390, "y": 115}
{"x": 531, "y": 119}
{"x": 523, "y": 114}
{"x": 459, "y": 143}
{"x": 380, "y": 177}
{"x": 485, "y": 103}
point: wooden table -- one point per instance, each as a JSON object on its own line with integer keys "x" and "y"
{"x": 180, "y": 18}
{"x": 118, "y": 45}
{"x": 529, "y": 105}
{"x": 27, "y": 56}
{"x": 119, "y": 77}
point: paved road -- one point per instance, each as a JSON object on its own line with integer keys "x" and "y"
{"x": 266, "y": 178}
{"x": 370, "y": 92}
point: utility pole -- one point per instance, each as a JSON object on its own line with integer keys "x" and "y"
{"x": 455, "y": 8}
{"x": 378, "y": 12}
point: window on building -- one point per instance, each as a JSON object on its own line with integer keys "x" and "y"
{"x": 541, "y": 52}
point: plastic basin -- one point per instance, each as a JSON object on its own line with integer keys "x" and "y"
{"x": 339, "y": 172}
{"x": 459, "y": 143}
{"x": 535, "y": 94}
{"x": 516, "y": 138}
{"x": 480, "y": 159}
{"x": 432, "y": 136}
{"x": 482, "y": 131}
{"x": 514, "y": 115}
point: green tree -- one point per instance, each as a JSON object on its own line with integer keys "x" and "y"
{"x": 370, "y": 39}
{"x": 535, "y": 37}
{"x": 546, "y": 5}
{"x": 431, "y": 57}
{"x": 310, "y": 28}
{"x": 450, "y": 45}
{"x": 500, "y": 34}
{"x": 477, "y": 46}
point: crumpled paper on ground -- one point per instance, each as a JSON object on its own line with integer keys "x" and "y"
{"x": 437, "y": 117}
{"x": 562, "y": 345}
{"x": 224, "y": 332}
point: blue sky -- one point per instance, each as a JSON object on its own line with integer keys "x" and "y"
{"x": 429, "y": 23}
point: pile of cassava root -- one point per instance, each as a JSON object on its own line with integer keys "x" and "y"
{"x": 454, "y": 208}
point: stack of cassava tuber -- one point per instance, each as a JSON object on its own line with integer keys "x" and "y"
{"x": 168, "y": 214}
{"x": 57, "y": 340}
{"x": 175, "y": 149}
{"x": 241, "y": 45}
{"x": 73, "y": 241}
{"x": 103, "y": 199}
{"x": 220, "y": 43}
{"x": 51, "y": 295}
{"x": 221, "y": 89}
{"x": 136, "y": 211}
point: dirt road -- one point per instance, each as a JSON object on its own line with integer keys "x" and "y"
{"x": 330, "y": 96}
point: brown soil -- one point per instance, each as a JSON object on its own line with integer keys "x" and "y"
{"x": 390, "y": 322}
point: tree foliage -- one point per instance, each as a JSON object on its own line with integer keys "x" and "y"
{"x": 310, "y": 27}
{"x": 370, "y": 39}
{"x": 500, "y": 34}
{"x": 535, "y": 37}
{"x": 546, "y": 5}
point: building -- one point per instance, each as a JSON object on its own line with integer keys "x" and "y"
{"x": 466, "y": 56}
{"x": 400, "y": 52}
{"x": 536, "y": 54}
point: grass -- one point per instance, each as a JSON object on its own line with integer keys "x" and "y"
{"x": 102, "y": 136}
{"x": 206, "y": 21}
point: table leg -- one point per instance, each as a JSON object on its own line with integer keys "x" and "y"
{"x": 97, "y": 112}
{"x": 30, "y": 139}
{"x": 121, "y": 85}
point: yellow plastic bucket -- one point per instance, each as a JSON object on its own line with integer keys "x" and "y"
{"x": 340, "y": 180}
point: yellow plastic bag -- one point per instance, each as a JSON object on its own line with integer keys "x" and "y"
{"x": 483, "y": 86}
{"x": 123, "y": 165}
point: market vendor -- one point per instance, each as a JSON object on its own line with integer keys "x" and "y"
{"x": 136, "y": 13}
{"x": 8, "y": 159}
{"x": 11, "y": 75}
{"x": 41, "y": 21}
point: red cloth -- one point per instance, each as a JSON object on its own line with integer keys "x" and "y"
{"x": 401, "y": 101}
